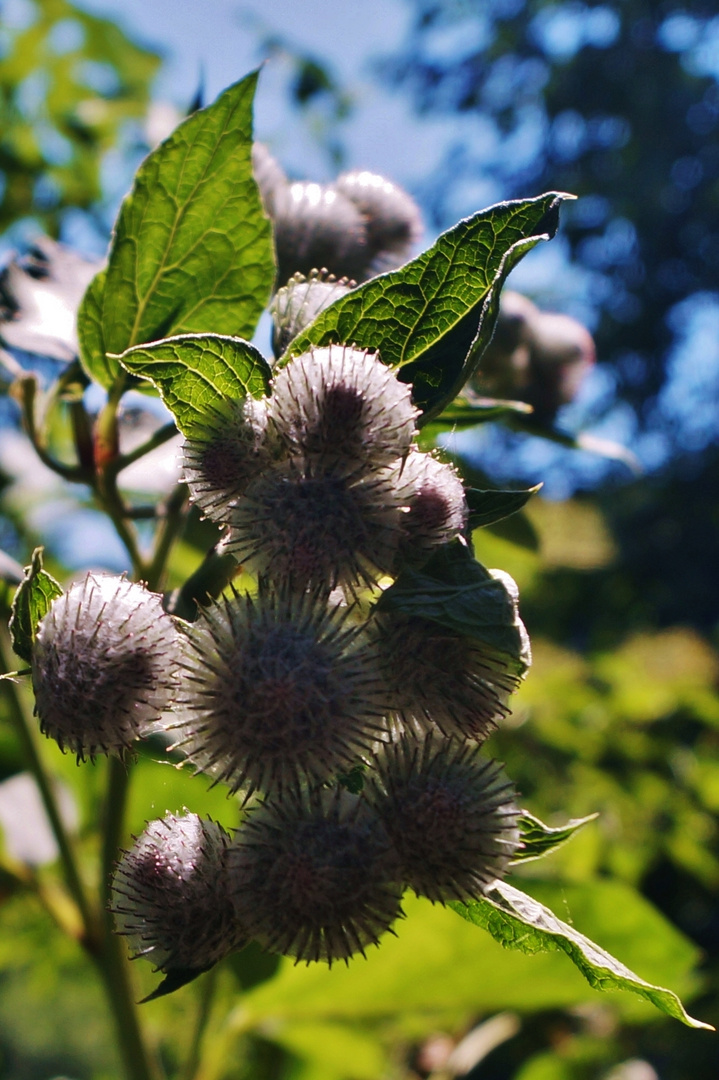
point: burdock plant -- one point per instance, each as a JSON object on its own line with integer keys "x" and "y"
{"x": 327, "y": 647}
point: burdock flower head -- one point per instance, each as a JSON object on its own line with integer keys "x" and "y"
{"x": 103, "y": 666}
{"x": 317, "y": 227}
{"x": 221, "y": 458}
{"x": 450, "y": 814}
{"x": 306, "y": 527}
{"x": 394, "y": 222}
{"x": 435, "y": 505}
{"x": 299, "y": 302}
{"x": 440, "y": 678}
{"x": 315, "y": 877}
{"x": 278, "y": 690}
{"x": 344, "y": 407}
{"x": 169, "y": 895}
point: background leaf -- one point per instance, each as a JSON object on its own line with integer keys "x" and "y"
{"x": 456, "y": 591}
{"x": 31, "y": 603}
{"x": 195, "y": 372}
{"x": 539, "y": 839}
{"x": 518, "y": 921}
{"x": 486, "y": 507}
{"x": 192, "y": 250}
{"x": 424, "y": 317}
{"x": 93, "y": 356}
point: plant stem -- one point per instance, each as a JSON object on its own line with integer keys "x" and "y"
{"x": 25, "y": 729}
{"x": 207, "y": 987}
{"x": 166, "y": 534}
{"x": 139, "y": 1063}
{"x": 158, "y": 438}
{"x": 118, "y": 784}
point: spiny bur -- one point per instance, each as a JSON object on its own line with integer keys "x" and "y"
{"x": 169, "y": 895}
{"x": 315, "y": 877}
{"x": 104, "y": 665}
{"x": 440, "y": 678}
{"x": 222, "y": 457}
{"x": 450, "y": 813}
{"x": 278, "y": 690}
{"x": 344, "y": 408}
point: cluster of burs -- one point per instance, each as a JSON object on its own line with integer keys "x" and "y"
{"x": 350, "y": 731}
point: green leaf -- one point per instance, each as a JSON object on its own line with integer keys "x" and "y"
{"x": 470, "y": 409}
{"x": 31, "y": 603}
{"x": 433, "y": 316}
{"x": 96, "y": 363}
{"x": 440, "y": 973}
{"x": 486, "y": 507}
{"x": 539, "y": 839}
{"x": 517, "y": 529}
{"x": 192, "y": 249}
{"x": 196, "y": 372}
{"x": 456, "y": 591}
{"x": 174, "y": 980}
{"x": 517, "y": 921}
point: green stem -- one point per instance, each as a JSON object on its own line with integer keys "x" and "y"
{"x": 139, "y": 1063}
{"x": 161, "y": 436}
{"x": 207, "y": 987}
{"x": 167, "y": 531}
{"x": 118, "y": 786}
{"x": 25, "y": 392}
{"x": 25, "y": 729}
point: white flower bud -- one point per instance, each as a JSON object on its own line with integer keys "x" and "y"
{"x": 221, "y": 459}
{"x": 278, "y": 690}
{"x": 298, "y": 304}
{"x": 104, "y": 665}
{"x": 315, "y": 877}
{"x": 269, "y": 177}
{"x": 440, "y": 678}
{"x": 169, "y": 895}
{"x": 435, "y": 505}
{"x": 450, "y": 815}
{"x": 343, "y": 407}
{"x": 308, "y": 528}
{"x": 316, "y": 227}
{"x": 394, "y": 221}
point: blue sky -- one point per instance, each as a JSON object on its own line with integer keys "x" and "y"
{"x": 220, "y": 38}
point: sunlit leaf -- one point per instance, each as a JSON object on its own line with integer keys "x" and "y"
{"x": 196, "y": 372}
{"x": 31, "y": 603}
{"x": 539, "y": 839}
{"x": 192, "y": 249}
{"x": 433, "y": 316}
{"x": 517, "y": 921}
{"x": 456, "y": 591}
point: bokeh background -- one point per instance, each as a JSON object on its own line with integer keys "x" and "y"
{"x": 464, "y": 104}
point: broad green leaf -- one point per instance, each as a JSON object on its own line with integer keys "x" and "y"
{"x": 98, "y": 365}
{"x": 195, "y": 373}
{"x": 30, "y": 604}
{"x": 192, "y": 249}
{"x": 518, "y": 921}
{"x": 425, "y": 318}
{"x": 486, "y": 507}
{"x": 539, "y": 839}
{"x": 441, "y": 972}
{"x": 469, "y": 409}
{"x": 456, "y": 591}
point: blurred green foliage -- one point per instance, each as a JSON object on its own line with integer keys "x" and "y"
{"x": 69, "y": 84}
{"x": 618, "y": 715}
